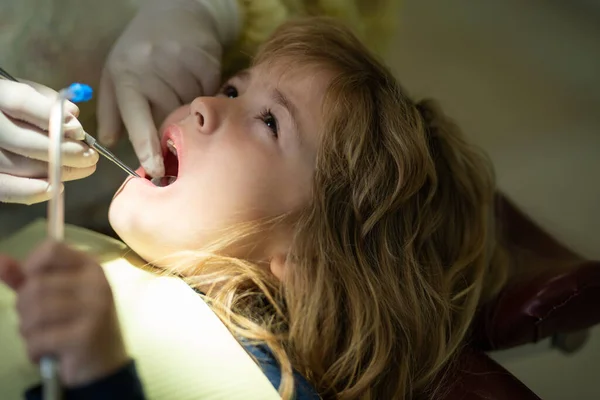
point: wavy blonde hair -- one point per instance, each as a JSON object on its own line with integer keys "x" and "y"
{"x": 392, "y": 255}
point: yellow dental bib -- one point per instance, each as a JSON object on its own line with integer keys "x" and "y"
{"x": 181, "y": 348}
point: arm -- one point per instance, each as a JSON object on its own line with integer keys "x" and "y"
{"x": 372, "y": 20}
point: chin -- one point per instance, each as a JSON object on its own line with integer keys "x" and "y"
{"x": 138, "y": 211}
{"x": 143, "y": 226}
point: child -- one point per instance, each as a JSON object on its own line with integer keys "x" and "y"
{"x": 340, "y": 230}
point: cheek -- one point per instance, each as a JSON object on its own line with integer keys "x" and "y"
{"x": 233, "y": 174}
{"x": 251, "y": 181}
{"x": 226, "y": 185}
{"x": 157, "y": 226}
{"x": 231, "y": 193}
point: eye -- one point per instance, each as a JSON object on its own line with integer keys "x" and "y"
{"x": 229, "y": 91}
{"x": 270, "y": 121}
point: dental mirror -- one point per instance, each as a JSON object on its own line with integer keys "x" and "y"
{"x": 163, "y": 180}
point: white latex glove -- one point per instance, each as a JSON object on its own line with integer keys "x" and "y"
{"x": 24, "y": 117}
{"x": 169, "y": 54}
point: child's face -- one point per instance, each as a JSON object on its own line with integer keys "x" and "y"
{"x": 246, "y": 154}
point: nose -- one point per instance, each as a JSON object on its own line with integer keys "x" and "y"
{"x": 204, "y": 113}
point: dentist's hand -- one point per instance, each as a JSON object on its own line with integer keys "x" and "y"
{"x": 24, "y": 117}
{"x": 169, "y": 54}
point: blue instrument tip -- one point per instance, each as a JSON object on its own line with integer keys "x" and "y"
{"x": 80, "y": 92}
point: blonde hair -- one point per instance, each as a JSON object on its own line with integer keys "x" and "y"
{"x": 392, "y": 255}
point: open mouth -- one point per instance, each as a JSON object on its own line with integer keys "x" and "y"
{"x": 171, "y": 158}
{"x": 171, "y": 150}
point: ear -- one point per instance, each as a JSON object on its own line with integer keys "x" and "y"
{"x": 278, "y": 265}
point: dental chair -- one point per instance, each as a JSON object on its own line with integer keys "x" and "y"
{"x": 554, "y": 293}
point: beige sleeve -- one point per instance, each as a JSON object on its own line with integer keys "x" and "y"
{"x": 372, "y": 20}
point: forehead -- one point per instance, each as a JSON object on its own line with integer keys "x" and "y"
{"x": 301, "y": 83}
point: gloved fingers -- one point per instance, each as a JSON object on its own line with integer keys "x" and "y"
{"x": 14, "y": 189}
{"x": 72, "y": 127}
{"x": 110, "y": 125}
{"x": 137, "y": 117}
{"x": 181, "y": 80}
{"x": 162, "y": 98}
{"x": 51, "y": 94}
{"x": 72, "y": 173}
{"x": 24, "y": 103}
{"x": 24, "y": 139}
{"x": 206, "y": 68}
{"x": 19, "y": 166}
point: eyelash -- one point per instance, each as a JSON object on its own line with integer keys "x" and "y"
{"x": 266, "y": 116}
{"x": 225, "y": 89}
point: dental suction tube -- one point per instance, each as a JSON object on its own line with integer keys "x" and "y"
{"x": 76, "y": 93}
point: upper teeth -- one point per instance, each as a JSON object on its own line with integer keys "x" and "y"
{"x": 171, "y": 146}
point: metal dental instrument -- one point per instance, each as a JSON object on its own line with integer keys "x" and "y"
{"x": 93, "y": 143}
{"x": 6, "y": 75}
{"x": 89, "y": 140}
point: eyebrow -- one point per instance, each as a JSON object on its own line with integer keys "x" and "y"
{"x": 243, "y": 75}
{"x": 280, "y": 99}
